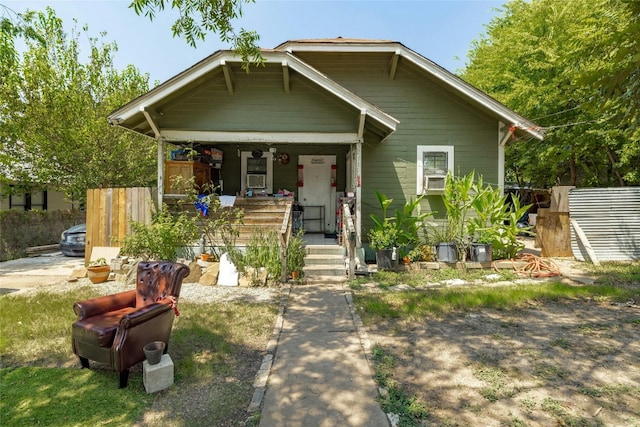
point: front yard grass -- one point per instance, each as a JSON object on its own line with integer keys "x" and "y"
{"x": 216, "y": 349}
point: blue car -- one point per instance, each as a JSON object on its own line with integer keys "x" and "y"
{"x": 72, "y": 240}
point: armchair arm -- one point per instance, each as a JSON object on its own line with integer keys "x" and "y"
{"x": 143, "y": 314}
{"x": 103, "y": 304}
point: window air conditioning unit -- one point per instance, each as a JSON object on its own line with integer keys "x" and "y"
{"x": 434, "y": 182}
{"x": 256, "y": 181}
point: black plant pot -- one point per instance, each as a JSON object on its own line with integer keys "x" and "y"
{"x": 384, "y": 259}
{"x": 481, "y": 252}
{"x": 447, "y": 252}
{"x": 153, "y": 352}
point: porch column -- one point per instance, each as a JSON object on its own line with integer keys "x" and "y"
{"x": 358, "y": 168}
{"x": 504, "y": 133}
{"x": 160, "y": 182}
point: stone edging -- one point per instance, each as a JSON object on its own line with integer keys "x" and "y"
{"x": 365, "y": 343}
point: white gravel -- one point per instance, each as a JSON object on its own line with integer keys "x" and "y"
{"x": 192, "y": 292}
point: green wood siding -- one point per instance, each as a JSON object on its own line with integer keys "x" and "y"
{"x": 259, "y": 104}
{"x": 428, "y": 115}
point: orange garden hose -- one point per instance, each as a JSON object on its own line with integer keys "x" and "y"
{"x": 535, "y": 266}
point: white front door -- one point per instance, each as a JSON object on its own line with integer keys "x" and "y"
{"x": 318, "y": 193}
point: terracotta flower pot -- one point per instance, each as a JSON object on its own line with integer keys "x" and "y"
{"x": 99, "y": 273}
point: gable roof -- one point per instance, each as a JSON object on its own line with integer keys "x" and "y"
{"x": 139, "y": 115}
{"x": 398, "y": 51}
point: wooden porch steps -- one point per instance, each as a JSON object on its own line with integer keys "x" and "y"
{"x": 262, "y": 213}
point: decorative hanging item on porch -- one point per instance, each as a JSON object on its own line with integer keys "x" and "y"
{"x": 257, "y": 153}
{"x": 333, "y": 175}
{"x": 300, "y": 176}
{"x": 284, "y": 158}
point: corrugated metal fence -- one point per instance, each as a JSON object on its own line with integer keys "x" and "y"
{"x": 109, "y": 210}
{"x": 610, "y": 220}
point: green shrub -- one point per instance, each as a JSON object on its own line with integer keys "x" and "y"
{"x": 160, "y": 240}
{"x": 480, "y": 213}
{"x": 296, "y": 252}
{"x": 402, "y": 230}
{"x": 263, "y": 251}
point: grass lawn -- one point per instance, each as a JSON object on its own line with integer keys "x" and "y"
{"x": 216, "y": 348}
{"x": 467, "y": 355}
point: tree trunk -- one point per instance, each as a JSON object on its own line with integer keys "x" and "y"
{"x": 572, "y": 167}
{"x": 612, "y": 160}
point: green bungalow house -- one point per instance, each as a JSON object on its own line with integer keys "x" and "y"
{"x": 329, "y": 118}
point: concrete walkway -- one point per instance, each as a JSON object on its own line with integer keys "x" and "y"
{"x": 320, "y": 375}
{"x": 36, "y": 271}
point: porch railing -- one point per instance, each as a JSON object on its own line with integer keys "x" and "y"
{"x": 349, "y": 239}
{"x": 285, "y": 235}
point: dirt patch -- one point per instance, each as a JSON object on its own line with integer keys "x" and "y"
{"x": 572, "y": 363}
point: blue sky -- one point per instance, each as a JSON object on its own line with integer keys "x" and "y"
{"x": 439, "y": 30}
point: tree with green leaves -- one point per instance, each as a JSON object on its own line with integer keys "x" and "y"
{"x": 197, "y": 17}
{"x": 573, "y": 67}
{"x": 53, "y": 108}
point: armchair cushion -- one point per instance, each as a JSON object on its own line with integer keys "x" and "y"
{"x": 99, "y": 330}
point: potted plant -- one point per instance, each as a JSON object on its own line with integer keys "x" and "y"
{"x": 481, "y": 248}
{"x": 459, "y": 197}
{"x": 445, "y": 243}
{"x": 392, "y": 237}
{"x": 98, "y": 271}
{"x": 295, "y": 254}
{"x": 383, "y": 239}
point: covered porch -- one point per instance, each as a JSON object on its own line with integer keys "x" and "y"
{"x": 279, "y": 129}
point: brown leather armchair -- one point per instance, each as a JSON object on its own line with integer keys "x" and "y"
{"x": 113, "y": 329}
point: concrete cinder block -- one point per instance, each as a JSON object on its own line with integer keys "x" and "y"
{"x": 159, "y": 376}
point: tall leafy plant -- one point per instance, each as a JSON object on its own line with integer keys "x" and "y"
{"x": 296, "y": 252}
{"x": 480, "y": 213}
{"x": 262, "y": 251}
{"x": 505, "y": 242}
{"x": 402, "y": 230}
{"x": 458, "y": 198}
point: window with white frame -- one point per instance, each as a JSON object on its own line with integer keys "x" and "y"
{"x": 434, "y": 162}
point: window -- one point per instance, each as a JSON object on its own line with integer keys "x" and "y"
{"x": 433, "y": 164}
{"x": 256, "y": 171}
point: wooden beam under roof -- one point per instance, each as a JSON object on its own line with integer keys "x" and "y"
{"x": 150, "y": 119}
{"x": 242, "y": 137}
{"x": 285, "y": 77}
{"x": 394, "y": 65}
{"x": 361, "y": 121}
{"x": 228, "y": 76}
